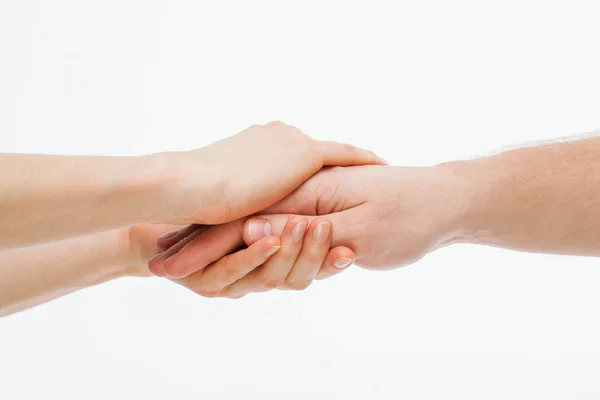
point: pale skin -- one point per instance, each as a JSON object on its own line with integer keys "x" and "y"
{"x": 48, "y": 202}
{"x": 537, "y": 199}
{"x": 45, "y": 197}
{"x": 540, "y": 199}
{"x": 37, "y": 274}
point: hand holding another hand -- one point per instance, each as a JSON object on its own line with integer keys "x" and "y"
{"x": 389, "y": 216}
{"x": 245, "y": 173}
{"x": 204, "y": 259}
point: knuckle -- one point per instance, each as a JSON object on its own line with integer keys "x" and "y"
{"x": 276, "y": 124}
{"x": 315, "y": 257}
{"x": 232, "y": 272}
{"x": 296, "y": 132}
{"x": 267, "y": 281}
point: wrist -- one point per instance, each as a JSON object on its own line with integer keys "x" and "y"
{"x": 475, "y": 191}
{"x": 182, "y": 185}
{"x": 151, "y": 183}
{"x": 130, "y": 254}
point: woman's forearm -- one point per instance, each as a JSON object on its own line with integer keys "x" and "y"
{"x": 541, "y": 199}
{"x": 33, "y": 275}
{"x": 47, "y": 197}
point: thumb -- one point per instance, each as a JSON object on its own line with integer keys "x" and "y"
{"x": 258, "y": 227}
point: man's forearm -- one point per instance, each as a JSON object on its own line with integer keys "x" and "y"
{"x": 541, "y": 199}
{"x": 37, "y": 274}
{"x": 45, "y": 197}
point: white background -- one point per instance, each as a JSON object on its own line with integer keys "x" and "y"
{"x": 418, "y": 82}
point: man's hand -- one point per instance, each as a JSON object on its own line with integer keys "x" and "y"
{"x": 390, "y": 216}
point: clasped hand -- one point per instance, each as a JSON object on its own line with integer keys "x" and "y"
{"x": 280, "y": 220}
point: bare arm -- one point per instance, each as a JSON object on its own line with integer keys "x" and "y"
{"x": 540, "y": 199}
{"x": 37, "y": 274}
{"x": 44, "y": 197}
{"x": 47, "y": 197}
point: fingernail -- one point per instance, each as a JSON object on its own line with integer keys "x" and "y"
{"x": 298, "y": 231}
{"x": 321, "y": 232}
{"x": 168, "y": 235}
{"x": 342, "y": 262}
{"x": 259, "y": 228}
{"x": 271, "y": 250}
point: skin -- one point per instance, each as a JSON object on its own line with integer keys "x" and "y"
{"x": 45, "y": 198}
{"x": 62, "y": 208}
{"x": 38, "y": 274}
{"x": 536, "y": 199}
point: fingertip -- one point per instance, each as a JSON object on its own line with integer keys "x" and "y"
{"x": 271, "y": 242}
{"x": 381, "y": 161}
{"x": 342, "y": 262}
{"x": 172, "y": 268}
{"x": 155, "y": 265}
{"x": 341, "y": 251}
{"x": 338, "y": 260}
{"x": 343, "y": 154}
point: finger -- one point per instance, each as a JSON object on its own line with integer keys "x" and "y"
{"x": 314, "y": 251}
{"x": 258, "y": 227}
{"x": 211, "y": 281}
{"x": 156, "y": 263}
{"x": 334, "y": 153}
{"x": 344, "y": 222}
{"x": 275, "y": 271}
{"x": 338, "y": 260}
{"x": 168, "y": 239}
{"x": 204, "y": 249}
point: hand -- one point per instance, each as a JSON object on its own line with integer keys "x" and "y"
{"x": 249, "y": 172}
{"x": 293, "y": 261}
{"x": 390, "y": 216}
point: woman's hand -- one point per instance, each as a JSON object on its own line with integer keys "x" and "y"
{"x": 291, "y": 261}
{"x": 248, "y": 172}
{"x": 44, "y": 198}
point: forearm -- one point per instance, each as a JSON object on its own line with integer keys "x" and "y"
{"x": 541, "y": 199}
{"x": 46, "y": 197}
{"x": 37, "y": 274}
